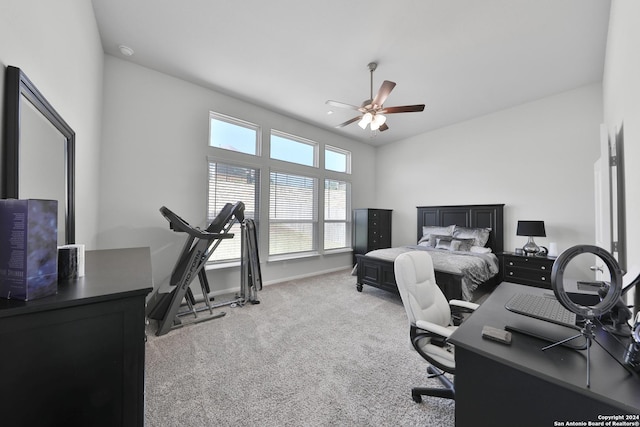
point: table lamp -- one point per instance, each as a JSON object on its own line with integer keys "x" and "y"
{"x": 531, "y": 229}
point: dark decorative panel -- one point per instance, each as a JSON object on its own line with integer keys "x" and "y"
{"x": 488, "y": 216}
{"x": 450, "y": 216}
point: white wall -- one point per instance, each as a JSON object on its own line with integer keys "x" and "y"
{"x": 155, "y": 130}
{"x": 621, "y": 84}
{"x": 154, "y": 153}
{"x": 536, "y": 158}
{"x": 57, "y": 45}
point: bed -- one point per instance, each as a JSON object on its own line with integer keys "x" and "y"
{"x": 376, "y": 268}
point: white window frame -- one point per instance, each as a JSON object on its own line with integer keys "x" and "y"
{"x": 347, "y": 154}
{"x": 346, "y": 221}
{"x": 237, "y": 122}
{"x": 263, "y": 162}
{"x": 300, "y": 140}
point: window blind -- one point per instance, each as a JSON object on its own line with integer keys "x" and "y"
{"x": 336, "y": 210}
{"x": 229, "y": 184}
{"x": 292, "y": 213}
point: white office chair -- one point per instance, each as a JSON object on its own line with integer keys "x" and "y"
{"x": 430, "y": 319}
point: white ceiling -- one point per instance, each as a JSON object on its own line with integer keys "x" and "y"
{"x": 462, "y": 58}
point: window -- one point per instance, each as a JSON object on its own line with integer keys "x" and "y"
{"x": 292, "y": 213}
{"x": 229, "y": 184}
{"x": 337, "y": 160}
{"x": 293, "y": 149}
{"x": 301, "y": 220}
{"x": 336, "y": 214}
{"x": 233, "y": 134}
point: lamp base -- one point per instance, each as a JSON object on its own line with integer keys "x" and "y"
{"x": 530, "y": 248}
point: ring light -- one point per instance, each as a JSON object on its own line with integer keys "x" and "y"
{"x": 607, "y": 302}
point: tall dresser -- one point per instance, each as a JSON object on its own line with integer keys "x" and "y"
{"x": 371, "y": 230}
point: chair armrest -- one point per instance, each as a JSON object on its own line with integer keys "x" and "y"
{"x": 464, "y": 304}
{"x": 434, "y": 329}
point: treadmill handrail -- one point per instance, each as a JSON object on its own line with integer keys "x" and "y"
{"x": 180, "y": 225}
{"x": 227, "y": 212}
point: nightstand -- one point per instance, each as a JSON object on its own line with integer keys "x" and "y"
{"x": 527, "y": 270}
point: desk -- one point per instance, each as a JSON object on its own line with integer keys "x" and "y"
{"x": 77, "y": 358}
{"x": 519, "y": 384}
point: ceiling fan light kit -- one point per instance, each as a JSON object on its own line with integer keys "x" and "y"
{"x": 378, "y": 121}
{"x": 372, "y": 109}
{"x": 366, "y": 119}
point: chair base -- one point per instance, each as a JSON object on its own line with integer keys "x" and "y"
{"x": 447, "y": 392}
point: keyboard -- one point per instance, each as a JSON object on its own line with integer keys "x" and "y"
{"x": 541, "y": 307}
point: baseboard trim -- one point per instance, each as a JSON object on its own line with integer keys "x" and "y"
{"x": 305, "y": 276}
{"x": 282, "y": 280}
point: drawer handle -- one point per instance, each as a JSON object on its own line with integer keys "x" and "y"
{"x": 543, "y": 268}
{"x": 543, "y": 278}
{"x": 510, "y": 262}
{"x": 511, "y": 273}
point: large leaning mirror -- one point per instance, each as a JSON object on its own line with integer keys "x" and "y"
{"x": 38, "y": 152}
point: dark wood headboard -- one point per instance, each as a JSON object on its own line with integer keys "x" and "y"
{"x": 488, "y": 216}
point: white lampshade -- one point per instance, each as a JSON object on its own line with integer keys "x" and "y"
{"x": 366, "y": 119}
{"x": 378, "y": 121}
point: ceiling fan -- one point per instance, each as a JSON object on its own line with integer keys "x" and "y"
{"x": 373, "y": 112}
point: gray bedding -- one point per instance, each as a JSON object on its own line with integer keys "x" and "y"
{"x": 475, "y": 268}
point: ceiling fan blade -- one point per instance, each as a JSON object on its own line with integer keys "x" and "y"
{"x": 342, "y": 105}
{"x": 383, "y": 92}
{"x": 383, "y": 127}
{"x": 348, "y": 122}
{"x": 403, "y": 109}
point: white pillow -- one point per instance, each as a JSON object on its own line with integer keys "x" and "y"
{"x": 480, "y": 250}
{"x": 480, "y": 235}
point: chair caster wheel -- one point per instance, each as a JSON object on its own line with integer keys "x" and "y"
{"x": 416, "y": 397}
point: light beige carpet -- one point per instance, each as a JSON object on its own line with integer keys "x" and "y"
{"x": 315, "y": 352}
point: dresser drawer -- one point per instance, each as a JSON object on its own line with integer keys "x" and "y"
{"x": 541, "y": 264}
{"x": 375, "y": 223}
{"x": 542, "y": 276}
{"x": 378, "y": 235}
{"x": 374, "y": 239}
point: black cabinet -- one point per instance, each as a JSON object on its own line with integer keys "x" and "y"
{"x": 77, "y": 358}
{"x": 527, "y": 270}
{"x": 371, "y": 230}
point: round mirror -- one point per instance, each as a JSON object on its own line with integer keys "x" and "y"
{"x": 574, "y": 267}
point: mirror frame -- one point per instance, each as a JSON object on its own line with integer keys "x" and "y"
{"x": 18, "y": 85}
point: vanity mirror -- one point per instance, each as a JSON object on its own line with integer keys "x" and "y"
{"x": 38, "y": 152}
